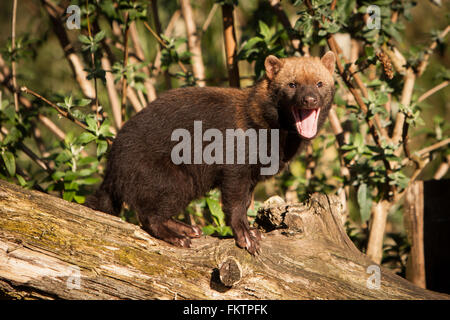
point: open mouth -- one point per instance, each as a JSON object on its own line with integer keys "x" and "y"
{"x": 306, "y": 121}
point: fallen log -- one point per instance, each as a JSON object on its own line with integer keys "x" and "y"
{"x": 53, "y": 249}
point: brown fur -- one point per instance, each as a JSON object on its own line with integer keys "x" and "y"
{"x": 140, "y": 171}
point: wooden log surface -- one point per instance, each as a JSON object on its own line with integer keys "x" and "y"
{"x": 53, "y": 249}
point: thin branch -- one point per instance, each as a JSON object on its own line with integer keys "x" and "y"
{"x": 112, "y": 93}
{"x": 208, "y": 20}
{"x": 442, "y": 169}
{"x": 13, "y": 62}
{"x": 4, "y": 77}
{"x": 433, "y": 147}
{"x": 423, "y": 64}
{"x": 62, "y": 112}
{"x": 158, "y": 28}
{"x": 97, "y": 109}
{"x": 354, "y": 73}
{"x": 230, "y": 44}
{"x": 30, "y": 153}
{"x": 74, "y": 61}
{"x": 284, "y": 20}
{"x": 194, "y": 43}
{"x": 433, "y": 91}
{"x": 168, "y": 32}
{"x": 125, "y": 63}
{"x": 151, "y": 92}
{"x": 408, "y": 88}
{"x": 183, "y": 68}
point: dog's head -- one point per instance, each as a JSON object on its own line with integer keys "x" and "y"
{"x": 304, "y": 90}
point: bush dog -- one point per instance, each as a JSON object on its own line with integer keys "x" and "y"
{"x": 294, "y": 98}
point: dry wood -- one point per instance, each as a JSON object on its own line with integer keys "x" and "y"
{"x": 46, "y": 242}
{"x": 413, "y": 213}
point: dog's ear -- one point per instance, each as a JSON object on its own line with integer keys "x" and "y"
{"x": 329, "y": 61}
{"x": 273, "y": 66}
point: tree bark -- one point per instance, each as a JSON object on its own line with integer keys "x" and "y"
{"x": 414, "y": 218}
{"x": 51, "y": 249}
{"x": 229, "y": 35}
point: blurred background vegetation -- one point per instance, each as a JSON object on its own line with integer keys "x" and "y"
{"x": 71, "y": 164}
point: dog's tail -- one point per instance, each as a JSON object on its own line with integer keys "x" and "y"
{"x": 104, "y": 200}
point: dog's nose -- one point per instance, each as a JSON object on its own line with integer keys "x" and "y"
{"x": 309, "y": 101}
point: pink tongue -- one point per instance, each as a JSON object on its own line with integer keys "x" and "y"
{"x": 306, "y": 122}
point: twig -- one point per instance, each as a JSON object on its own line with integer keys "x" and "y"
{"x": 423, "y": 64}
{"x": 30, "y": 153}
{"x": 60, "y": 111}
{"x": 354, "y": 73}
{"x": 158, "y": 28}
{"x": 168, "y": 32}
{"x": 13, "y": 62}
{"x": 433, "y": 91}
{"x": 194, "y": 45}
{"x": 4, "y": 76}
{"x": 408, "y": 88}
{"x": 74, "y": 61}
{"x": 125, "y": 63}
{"x": 284, "y": 20}
{"x": 112, "y": 93}
{"x": 164, "y": 45}
{"x": 208, "y": 20}
{"x": 151, "y": 92}
{"x": 433, "y": 147}
{"x": 443, "y": 168}
{"x": 93, "y": 67}
{"x": 230, "y": 44}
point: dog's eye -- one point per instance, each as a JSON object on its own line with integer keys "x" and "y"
{"x": 292, "y": 85}
{"x": 319, "y": 84}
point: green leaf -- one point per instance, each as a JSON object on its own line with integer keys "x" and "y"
{"x": 382, "y": 99}
{"x": 102, "y": 146}
{"x": 58, "y": 175}
{"x": 10, "y": 162}
{"x": 84, "y": 39}
{"x": 89, "y": 181}
{"x": 364, "y": 201}
{"x": 21, "y": 180}
{"x": 99, "y": 36}
{"x": 68, "y": 195}
{"x": 216, "y": 211}
{"x": 79, "y": 199}
{"x": 83, "y": 102}
{"x": 208, "y": 230}
{"x": 264, "y": 30}
{"x": 85, "y": 138}
{"x": 92, "y": 123}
